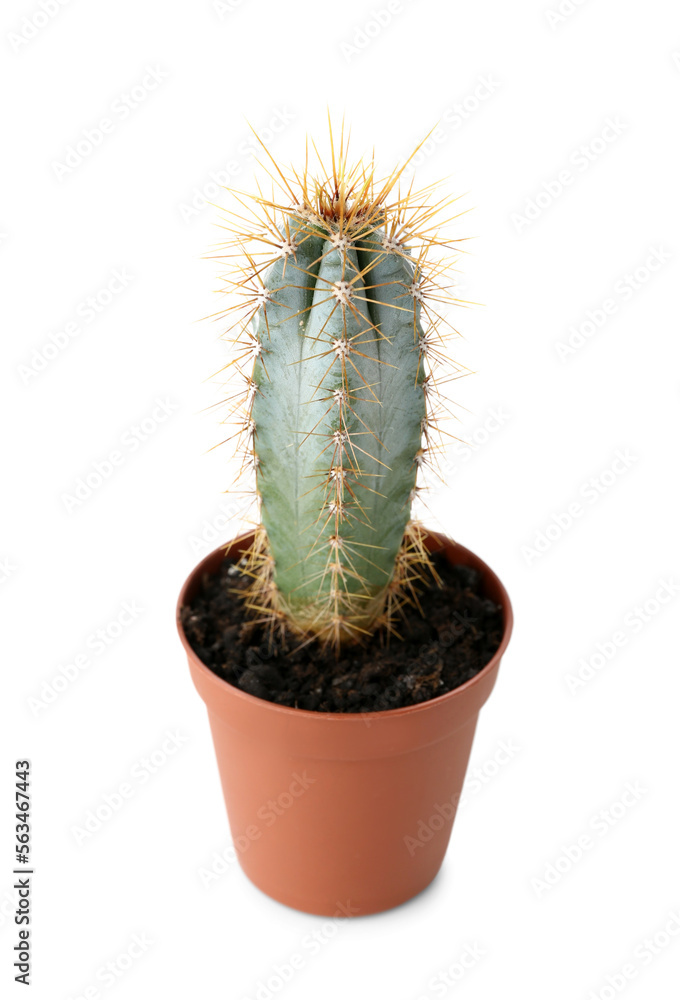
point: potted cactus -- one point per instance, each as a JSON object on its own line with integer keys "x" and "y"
{"x": 341, "y": 778}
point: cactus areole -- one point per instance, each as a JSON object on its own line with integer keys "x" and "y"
{"x": 338, "y": 337}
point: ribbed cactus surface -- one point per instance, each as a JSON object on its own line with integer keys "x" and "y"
{"x": 338, "y": 417}
{"x": 335, "y": 405}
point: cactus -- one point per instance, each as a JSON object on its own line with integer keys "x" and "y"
{"x": 338, "y": 319}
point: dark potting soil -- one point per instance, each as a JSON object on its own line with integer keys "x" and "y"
{"x": 453, "y": 640}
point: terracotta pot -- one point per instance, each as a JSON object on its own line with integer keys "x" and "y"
{"x": 343, "y": 813}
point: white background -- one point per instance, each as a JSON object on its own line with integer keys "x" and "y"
{"x": 535, "y": 92}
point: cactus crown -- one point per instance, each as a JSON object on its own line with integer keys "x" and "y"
{"x": 338, "y": 337}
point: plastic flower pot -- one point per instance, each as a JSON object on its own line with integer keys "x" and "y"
{"x": 343, "y": 813}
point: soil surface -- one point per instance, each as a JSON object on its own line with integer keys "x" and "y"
{"x": 453, "y": 640}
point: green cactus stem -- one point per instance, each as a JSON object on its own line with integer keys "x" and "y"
{"x": 336, "y": 409}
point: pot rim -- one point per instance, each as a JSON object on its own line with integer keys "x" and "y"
{"x": 348, "y": 717}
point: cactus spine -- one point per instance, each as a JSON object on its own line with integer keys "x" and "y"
{"x": 340, "y": 326}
